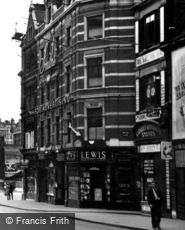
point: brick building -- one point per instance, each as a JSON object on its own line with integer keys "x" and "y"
{"x": 78, "y": 104}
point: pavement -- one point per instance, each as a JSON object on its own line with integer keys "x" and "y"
{"x": 128, "y": 219}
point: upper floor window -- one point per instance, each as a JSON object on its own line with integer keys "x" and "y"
{"x": 68, "y": 36}
{"x": 49, "y": 14}
{"x": 94, "y": 72}
{"x": 149, "y": 31}
{"x": 94, "y": 27}
{"x": 150, "y": 93}
{"x": 68, "y": 79}
{"x": 94, "y": 123}
{"x": 57, "y": 45}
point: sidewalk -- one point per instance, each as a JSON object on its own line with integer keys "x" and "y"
{"x": 132, "y": 220}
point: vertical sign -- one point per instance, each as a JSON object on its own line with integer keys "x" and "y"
{"x": 137, "y": 95}
{"x": 162, "y": 88}
{"x": 167, "y": 165}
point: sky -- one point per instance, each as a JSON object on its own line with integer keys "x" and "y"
{"x": 12, "y": 13}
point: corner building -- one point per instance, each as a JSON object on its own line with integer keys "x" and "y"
{"x": 85, "y": 152}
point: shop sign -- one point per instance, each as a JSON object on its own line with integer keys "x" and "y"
{"x": 178, "y": 94}
{"x": 51, "y": 104}
{"x": 149, "y": 57}
{"x": 93, "y": 155}
{"x": 149, "y": 148}
{"x": 148, "y": 131}
{"x": 148, "y": 115}
{"x": 180, "y": 158}
{"x": 166, "y": 150}
{"x": 168, "y": 191}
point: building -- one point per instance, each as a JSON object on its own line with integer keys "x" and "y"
{"x": 78, "y": 131}
{"x": 157, "y": 24}
{"x": 28, "y": 76}
{"x": 174, "y": 52}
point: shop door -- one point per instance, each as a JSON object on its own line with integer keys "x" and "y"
{"x": 97, "y": 185}
{"x": 123, "y": 187}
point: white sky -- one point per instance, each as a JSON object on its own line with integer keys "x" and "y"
{"x": 10, "y": 60}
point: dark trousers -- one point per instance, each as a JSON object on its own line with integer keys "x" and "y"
{"x": 156, "y": 216}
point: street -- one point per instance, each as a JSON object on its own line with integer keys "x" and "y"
{"x": 79, "y": 225}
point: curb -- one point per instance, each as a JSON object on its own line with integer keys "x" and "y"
{"x": 81, "y": 219}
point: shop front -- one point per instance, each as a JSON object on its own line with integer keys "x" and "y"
{"x": 101, "y": 179}
{"x": 156, "y": 163}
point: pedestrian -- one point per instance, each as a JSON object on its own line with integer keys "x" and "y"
{"x": 7, "y": 191}
{"x": 11, "y": 189}
{"x": 154, "y": 200}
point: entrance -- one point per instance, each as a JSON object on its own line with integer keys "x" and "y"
{"x": 93, "y": 186}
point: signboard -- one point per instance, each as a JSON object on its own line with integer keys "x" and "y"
{"x": 148, "y": 115}
{"x": 166, "y": 150}
{"x": 178, "y": 94}
{"x": 149, "y": 57}
{"x": 93, "y": 155}
{"x": 147, "y": 130}
{"x": 149, "y": 148}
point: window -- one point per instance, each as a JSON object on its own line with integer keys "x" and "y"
{"x": 68, "y": 36}
{"x": 48, "y": 132}
{"x": 42, "y": 133}
{"x": 42, "y": 94}
{"x": 57, "y": 45}
{"x": 49, "y": 14}
{"x": 48, "y": 91}
{"x": 68, "y": 78}
{"x": 57, "y": 130}
{"x": 57, "y": 87}
{"x": 94, "y": 72}
{"x": 150, "y": 94}
{"x": 48, "y": 51}
{"x": 149, "y": 30}
{"x": 94, "y": 123}
{"x": 68, "y": 129}
{"x": 94, "y": 27}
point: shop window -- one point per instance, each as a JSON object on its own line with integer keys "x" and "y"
{"x": 150, "y": 94}
{"x": 149, "y": 31}
{"x": 51, "y": 179}
{"x": 94, "y": 27}
{"x": 94, "y": 72}
{"x": 95, "y": 123}
{"x": 148, "y": 176}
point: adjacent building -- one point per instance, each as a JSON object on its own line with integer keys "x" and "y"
{"x": 156, "y": 27}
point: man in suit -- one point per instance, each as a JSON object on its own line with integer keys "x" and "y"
{"x": 154, "y": 200}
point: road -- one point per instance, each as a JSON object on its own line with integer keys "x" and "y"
{"x": 79, "y": 225}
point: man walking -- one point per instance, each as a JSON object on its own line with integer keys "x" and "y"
{"x": 154, "y": 200}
